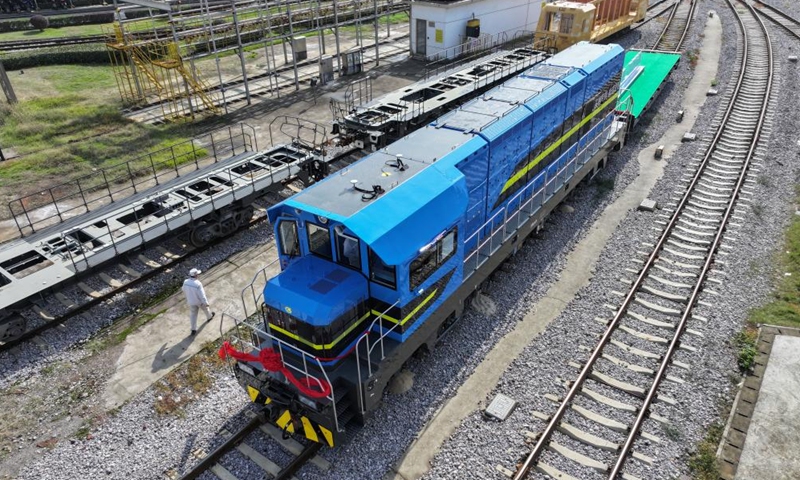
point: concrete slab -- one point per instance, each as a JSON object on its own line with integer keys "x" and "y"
{"x": 165, "y": 342}
{"x": 773, "y": 439}
{"x": 583, "y": 258}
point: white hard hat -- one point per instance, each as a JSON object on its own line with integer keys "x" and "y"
{"x": 194, "y": 272}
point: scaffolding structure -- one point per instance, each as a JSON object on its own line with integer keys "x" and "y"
{"x": 158, "y": 59}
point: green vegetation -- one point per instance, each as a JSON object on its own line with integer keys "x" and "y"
{"x": 604, "y": 185}
{"x": 704, "y": 461}
{"x": 47, "y": 33}
{"x": 693, "y": 57}
{"x": 187, "y": 382}
{"x": 784, "y": 309}
{"x": 110, "y": 339}
{"x": 745, "y": 341}
{"x": 671, "y": 431}
{"x": 61, "y": 129}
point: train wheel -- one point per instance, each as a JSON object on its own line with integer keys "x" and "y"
{"x": 242, "y": 217}
{"x": 12, "y": 328}
{"x": 202, "y": 234}
{"x": 226, "y": 227}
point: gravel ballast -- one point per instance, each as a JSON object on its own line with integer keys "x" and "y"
{"x": 135, "y": 443}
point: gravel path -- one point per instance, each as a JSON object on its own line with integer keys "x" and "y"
{"x": 135, "y": 443}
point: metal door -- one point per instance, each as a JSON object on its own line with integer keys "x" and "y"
{"x": 422, "y": 33}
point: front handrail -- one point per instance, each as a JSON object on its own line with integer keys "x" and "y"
{"x": 280, "y": 346}
{"x": 261, "y": 274}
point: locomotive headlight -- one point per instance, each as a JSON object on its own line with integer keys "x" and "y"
{"x": 308, "y": 402}
{"x": 247, "y": 369}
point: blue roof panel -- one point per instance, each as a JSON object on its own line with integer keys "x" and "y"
{"x": 413, "y": 214}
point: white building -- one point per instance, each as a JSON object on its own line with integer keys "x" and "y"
{"x": 439, "y": 27}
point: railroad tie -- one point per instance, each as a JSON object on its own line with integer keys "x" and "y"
{"x": 89, "y": 290}
{"x": 111, "y": 282}
{"x": 553, "y": 472}
{"x": 64, "y": 300}
{"x": 128, "y": 270}
{"x": 150, "y": 263}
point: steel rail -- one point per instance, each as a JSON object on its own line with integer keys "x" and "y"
{"x": 782, "y": 14}
{"x": 657, "y": 15}
{"x": 689, "y": 17}
{"x": 596, "y": 354}
{"x": 209, "y": 461}
{"x": 651, "y": 394}
{"x": 94, "y": 301}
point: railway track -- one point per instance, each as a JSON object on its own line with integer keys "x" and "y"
{"x": 674, "y": 33}
{"x": 780, "y": 18}
{"x": 301, "y": 18}
{"x": 652, "y": 14}
{"x": 635, "y": 354}
{"x": 237, "y": 444}
{"x": 45, "y": 312}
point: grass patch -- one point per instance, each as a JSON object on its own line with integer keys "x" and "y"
{"x": 68, "y": 120}
{"x": 671, "y": 431}
{"x": 55, "y": 32}
{"x": 187, "y": 382}
{"x": 745, "y": 341}
{"x": 604, "y": 185}
{"x": 704, "y": 461}
{"x": 784, "y": 309}
{"x": 109, "y": 339}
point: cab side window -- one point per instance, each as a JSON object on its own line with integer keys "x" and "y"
{"x": 290, "y": 243}
{"x": 348, "y": 250}
{"x": 319, "y": 241}
{"x": 381, "y": 273}
{"x": 437, "y": 254}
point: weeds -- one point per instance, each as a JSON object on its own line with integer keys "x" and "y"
{"x": 604, "y": 186}
{"x": 758, "y": 210}
{"x": 784, "y": 309}
{"x": 186, "y": 383}
{"x": 110, "y": 339}
{"x": 704, "y": 461}
{"x": 745, "y": 341}
{"x": 672, "y": 431}
{"x": 693, "y": 57}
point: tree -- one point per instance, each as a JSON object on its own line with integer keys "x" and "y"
{"x": 40, "y": 21}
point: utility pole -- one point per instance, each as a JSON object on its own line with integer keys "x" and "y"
{"x": 5, "y": 85}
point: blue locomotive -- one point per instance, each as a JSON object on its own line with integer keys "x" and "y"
{"x": 379, "y": 259}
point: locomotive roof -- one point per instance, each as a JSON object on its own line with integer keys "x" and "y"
{"x": 426, "y": 194}
{"x": 579, "y": 57}
{"x": 336, "y": 194}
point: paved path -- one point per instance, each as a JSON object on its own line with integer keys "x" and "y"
{"x": 582, "y": 259}
{"x": 164, "y": 343}
{"x": 773, "y": 439}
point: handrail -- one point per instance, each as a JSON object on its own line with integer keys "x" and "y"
{"x": 368, "y": 349}
{"x": 569, "y": 157}
{"x": 117, "y": 181}
{"x": 276, "y": 343}
{"x": 262, "y": 273}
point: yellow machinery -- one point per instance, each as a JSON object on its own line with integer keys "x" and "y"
{"x": 564, "y": 23}
{"x": 154, "y": 71}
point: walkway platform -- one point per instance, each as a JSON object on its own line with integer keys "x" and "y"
{"x": 763, "y": 435}
{"x": 643, "y": 76}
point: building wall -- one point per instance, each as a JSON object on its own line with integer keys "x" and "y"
{"x": 446, "y": 24}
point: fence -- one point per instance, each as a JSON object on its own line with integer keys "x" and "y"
{"x": 87, "y": 193}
